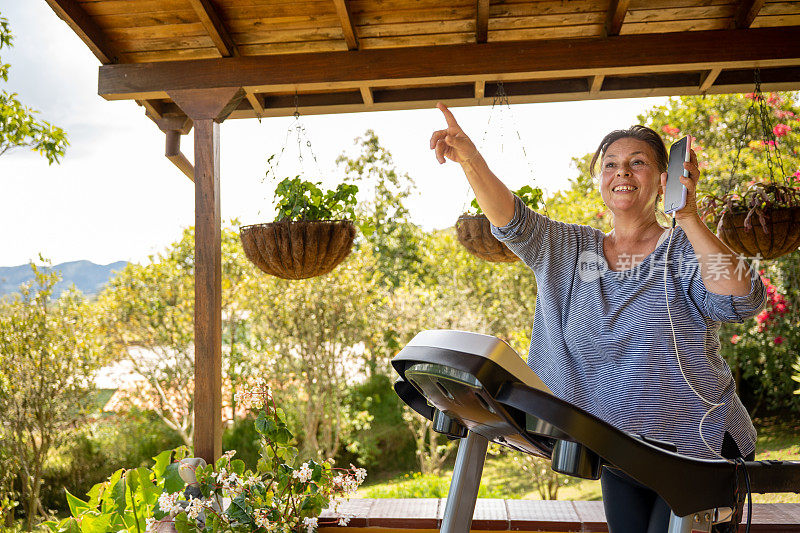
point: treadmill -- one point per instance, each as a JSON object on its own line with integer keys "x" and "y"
{"x": 477, "y": 389}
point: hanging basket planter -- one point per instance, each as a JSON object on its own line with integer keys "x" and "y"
{"x": 475, "y": 234}
{"x": 300, "y": 249}
{"x": 767, "y": 234}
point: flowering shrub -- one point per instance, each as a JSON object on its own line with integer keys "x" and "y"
{"x": 761, "y": 353}
{"x": 185, "y": 495}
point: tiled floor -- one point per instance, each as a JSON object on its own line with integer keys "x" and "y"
{"x": 520, "y": 515}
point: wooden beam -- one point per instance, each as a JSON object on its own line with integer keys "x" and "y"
{"x": 82, "y": 24}
{"x": 482, "y": 21}
{"x": 215, "y": 27}
{"x": 596, "y": 83}
{"x": 746, "y": 12}
{"x": 207, "y": 293}
{"x": 366, "y": 96}
{"x": 172, "y": 150}
{"x": 480, "y": 89}
{"x": 625, "y": 54}
{"x": 348, "y": 28}
{"x": 215, "y": 104}
{"x": 207, "y": 108}
{"x": 255, "y": 102}
{"x": 616, "y": 16}
{"x": 708, "y": 79}
{"x": 152, "y": 109}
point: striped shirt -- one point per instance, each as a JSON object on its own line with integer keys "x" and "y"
{"x": 602, "y": 340}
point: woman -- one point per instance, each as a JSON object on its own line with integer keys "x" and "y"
{"x": 602, "y": 331}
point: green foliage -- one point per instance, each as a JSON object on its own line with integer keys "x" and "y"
{"x": 416, "y": 485}
{"x": 126, "y": 500}
{"x": 18, "y": 125}
{"x": 530, "y": 197}
{"x": 297, "y": 199}
{"x": 377, "y": 439}
{"x": 49, "y": 352}
{"x": 225, "y": 496}
{"x": 101, "y": 446}
{"x": 383, "y": 218}
{"x": 149, "y": 308}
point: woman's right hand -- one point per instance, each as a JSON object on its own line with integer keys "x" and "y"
{"x": 452, "y": 143}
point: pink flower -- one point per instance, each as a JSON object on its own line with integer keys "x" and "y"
{"x": 780, "y": 113}
{"x": 670, "y": 130}
{"x": 774, "y": 99}
{"x": 778, "y": 339}
{"x": 797, "y": 175}
{"x": 781, "y": 129}
{"x": 735, "y": 339}
{"x": 712, "y": 119}
{"x": 762, "y": 317}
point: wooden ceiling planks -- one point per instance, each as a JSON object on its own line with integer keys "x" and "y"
{"x": 151, "y": 31}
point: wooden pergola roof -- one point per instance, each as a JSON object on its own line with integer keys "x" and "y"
{"x": 194, "y": 63}
{"x": 361, "y": 55}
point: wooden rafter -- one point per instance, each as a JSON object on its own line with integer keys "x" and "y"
{"x": 616, "y": 16}
{"x": 545, "y": 59}
{"x": 709, "y": 78}
{"x": 255, "y": 102}
{"x": 82, "y": 24}
{"x": 366, "y": 96}
{"x": 746, "y": 12}
{"x": 596, "y": 83}
{"x": 215, "y": 27}
{"x": 482, "y": 21}
{"x": 348, "y": 28}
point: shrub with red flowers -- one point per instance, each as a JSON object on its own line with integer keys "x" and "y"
{"x": 763, "y": 352}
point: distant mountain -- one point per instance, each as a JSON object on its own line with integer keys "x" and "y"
{"x": 87, "y": 277}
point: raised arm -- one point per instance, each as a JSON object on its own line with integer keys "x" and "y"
{"x": 495, "y": 199}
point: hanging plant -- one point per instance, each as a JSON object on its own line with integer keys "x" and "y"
{"x": 312, "y": 233}
{"x": 474, "y": 230}
{"x": 763, "y": 220}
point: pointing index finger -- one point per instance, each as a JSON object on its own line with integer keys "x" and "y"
{"x": 448, "y": 116}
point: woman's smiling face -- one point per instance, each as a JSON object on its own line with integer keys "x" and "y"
{"x": 630, "y": 180}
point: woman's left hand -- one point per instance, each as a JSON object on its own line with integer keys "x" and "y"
{"x": 690, "y": 182}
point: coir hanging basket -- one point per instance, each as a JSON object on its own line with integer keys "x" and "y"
{"x": 772, "y": 235}
{"x": 300, "y": 249}
{"x": 475, "y": 234}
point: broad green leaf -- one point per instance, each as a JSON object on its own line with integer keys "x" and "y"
{"x": 76, "y": 505}
{"x": 172, "y": 479}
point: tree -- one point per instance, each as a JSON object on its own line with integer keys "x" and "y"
{"x": 382, "y": 218}
{"x": 311, "y": 333}
{"x": 49, "y": 351}
{"x": 18, "y": 126}
{"x": 148, "y": 315}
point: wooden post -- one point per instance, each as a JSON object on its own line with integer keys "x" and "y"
{"x": 207, "y": 108}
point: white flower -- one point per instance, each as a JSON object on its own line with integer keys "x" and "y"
{"x": 344, "y": 520}
{"x": 149, "y": 523}
{"x": 303, "y": 474}
{"x": 360, "y": 473}
{"x": 310, "y": 524}
{"x": 229, "y": 454}
{"x": 195, "y": 506}
{"x": 260, "y": 516}
{"x": 169, "y": 502}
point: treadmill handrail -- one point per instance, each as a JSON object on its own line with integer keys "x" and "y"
{"x": 716, "y": 479}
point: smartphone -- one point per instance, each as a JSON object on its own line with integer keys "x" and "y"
{"x": 675, "y": 195}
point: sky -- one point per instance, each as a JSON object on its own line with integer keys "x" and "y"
{"x": 115, "y": 197}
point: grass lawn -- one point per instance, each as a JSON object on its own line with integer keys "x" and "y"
{"x": 509, "y": 475}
